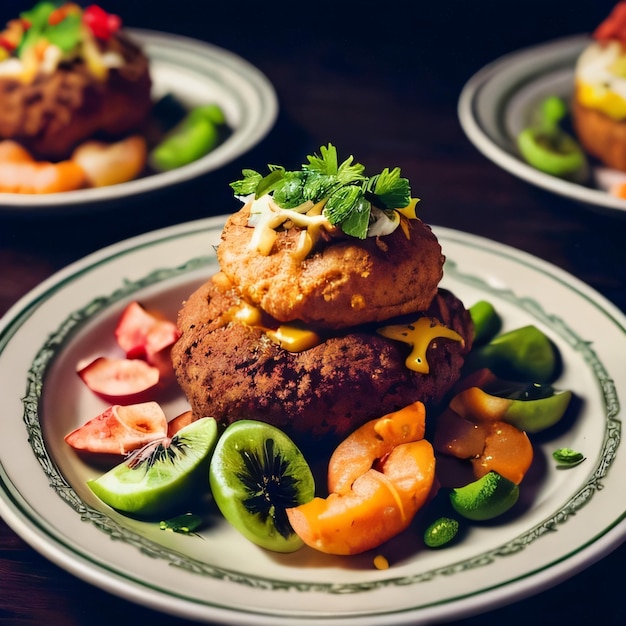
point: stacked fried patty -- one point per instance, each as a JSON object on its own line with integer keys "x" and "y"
{"x": 345, "y": 291}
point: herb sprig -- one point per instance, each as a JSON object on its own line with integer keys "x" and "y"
{"x": 348, "y": 192}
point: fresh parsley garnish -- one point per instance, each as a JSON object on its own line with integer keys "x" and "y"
{"x": 349, "y": 194}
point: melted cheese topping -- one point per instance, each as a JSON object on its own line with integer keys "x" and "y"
{"x": 601, "y": 79}
{"x": 293, "y": 337}
{"x": 297, "y": 337}
{"x": 419, "y": 336}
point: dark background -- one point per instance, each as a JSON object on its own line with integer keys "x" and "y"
{"x": 380, "y": 81}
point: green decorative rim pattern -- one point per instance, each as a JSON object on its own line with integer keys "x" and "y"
{"x": 58, "y": 339}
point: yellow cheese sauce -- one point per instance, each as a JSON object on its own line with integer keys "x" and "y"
{"x": 293, "y": 336}
{"x": 601, "y": 79}
{"x": 602, "y": 99}
{"x": 297, "y": 336}
{"x": 419, "y": 336}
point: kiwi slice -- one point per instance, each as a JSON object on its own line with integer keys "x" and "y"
{"x": 162, "y": 475}
{"x": 256, "y": 473}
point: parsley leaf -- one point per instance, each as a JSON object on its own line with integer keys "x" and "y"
{"x": 248, "y": 184}
{"x": 392, "y": 190}
{"x": 349, "y": 194}
{"x": 347, "y": 206}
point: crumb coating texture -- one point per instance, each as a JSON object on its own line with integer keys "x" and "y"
{"x": 341, "y": 285}
{"x": 232, "y": 371}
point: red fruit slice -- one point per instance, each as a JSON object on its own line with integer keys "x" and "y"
{"x": 120, "y": 429}
{"x": 144, "y": 334}
{"x": 117, "y": 380}
{"x": 178, "y": 422}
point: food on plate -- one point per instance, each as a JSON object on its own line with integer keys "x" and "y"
{"x": 256, "y": 475}
{"x": 378, "y": 478}
{"x": 119, "y": 429}
{"x": 21, "y": 173}
{"x": 599, "y": 102}
{"x": 76, "y": 99}
{"x": 305, "y": 342}
{"x": 487, "y": 497}
{"x": 147, "y": 334}
{"x": 566, "y": 457}
{"x": 384, "y": 478}
{"x": 317, "y": 268}
{"x": 441, "y": 532}
{"x": 106, "y": 163}
{"x": 549, "y": 148}
{"x": 120, "y": 379}
{"x": 487, "y": 323}
{"x": 161, "y": 475}
{"x": 194, "y": 136}
{"x": 146, "y": 338}
{"x": 530, "y": 407}
{"x": 524, "y": 353}
{"x": 67, "y": 74}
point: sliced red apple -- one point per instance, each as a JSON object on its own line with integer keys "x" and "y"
{"x": 178, "y": 422}
{"x": 144, "y": 334}
{"x": 121, "y": 380}
{"x": 120, "y": 429}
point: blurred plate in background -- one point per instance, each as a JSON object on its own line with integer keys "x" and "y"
{"x": 497, "y": 102}
{"x": 195, "y": 73}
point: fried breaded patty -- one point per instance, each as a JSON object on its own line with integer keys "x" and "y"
{"x": 347, "y": 283}
{"x": 230, "y": 370}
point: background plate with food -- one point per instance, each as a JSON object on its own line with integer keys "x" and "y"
{"x": 186, "y": 74}
{"x": 500, "y": 101}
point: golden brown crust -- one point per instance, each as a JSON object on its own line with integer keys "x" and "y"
{"x": 233, "y": 371}
{"x": 344, "y": 284}
{"x": 54, "y": 113}
{"x": 600, "y": 135}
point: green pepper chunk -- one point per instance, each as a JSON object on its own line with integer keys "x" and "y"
{"x": 441, "y": 532}
{"x": 548, "y": 148}
{"x": 196, "y": 135}
{"x": 566, "y": 457}
{"x": 487, "y": 497}
{"x": 525, "y": 354}
{"x": 486, "y": 321}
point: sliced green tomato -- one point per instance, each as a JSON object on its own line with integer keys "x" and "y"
{"x": 485, "y": 498}
{"x": 555, "y": 153}
{"x": 256, "y": 473}
{"x": 161, "y": 476}
{"x": 531, "y": 416}
{"x": 548, "y": 148}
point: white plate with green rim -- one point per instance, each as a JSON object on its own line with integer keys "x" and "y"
{"x": 564, "y": 521}
{"x": 497, "y": 103}
{"x": 195, "y": 73}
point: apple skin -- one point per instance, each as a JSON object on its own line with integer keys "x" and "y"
{"x": 119, "y": 430}
{"x": 144, "y": 334}
{"x": 180, "y": 421}
{"x": 148, "y": 335}
{"x": 121, "y": 381}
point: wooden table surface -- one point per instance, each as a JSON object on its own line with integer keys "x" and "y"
{"x": 381, "y": 83}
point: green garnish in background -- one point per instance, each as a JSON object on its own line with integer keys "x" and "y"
{"x": 65, "y": 34}
{"x": 350, "y": 194}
